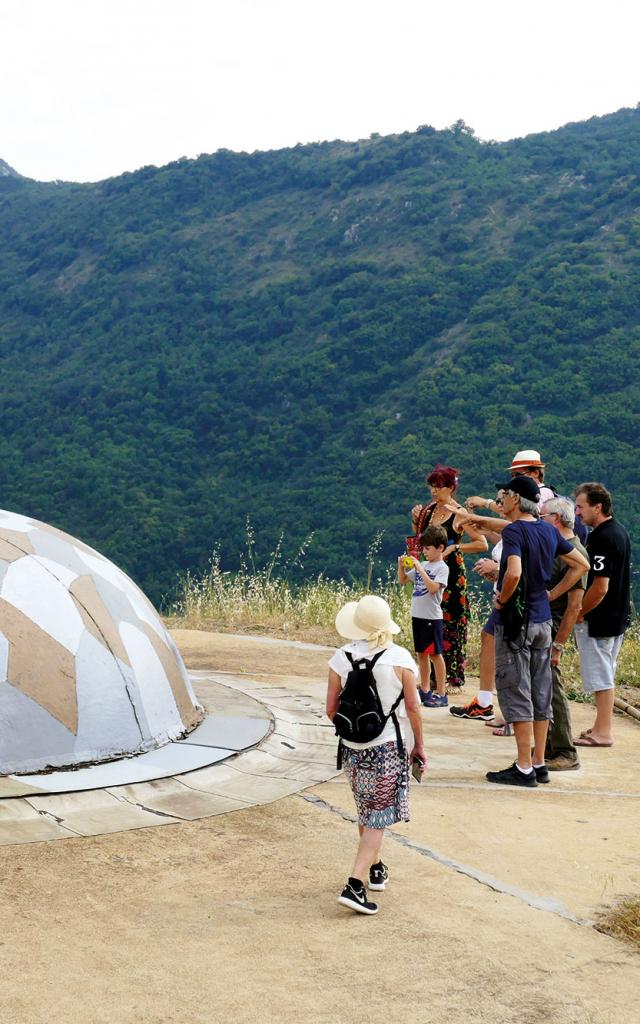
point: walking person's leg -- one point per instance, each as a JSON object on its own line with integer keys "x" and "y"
{"x": 368, "y": 852}
{"x": 379, "y": 780}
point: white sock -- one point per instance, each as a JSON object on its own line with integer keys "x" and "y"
{"x": 525, "y": 771}
{"x": 485, "y": 698}
{"x": 539, "y": 765}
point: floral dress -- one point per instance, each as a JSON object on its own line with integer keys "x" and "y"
{"x": 455, "y": 600}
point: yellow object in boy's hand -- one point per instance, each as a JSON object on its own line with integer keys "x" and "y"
{"x": 407, "y": 562}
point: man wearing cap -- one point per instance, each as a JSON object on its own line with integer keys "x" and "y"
{"x": 525, "y": 463}
{"x": 606, "y": 608}
{"x": 523, "y": 664}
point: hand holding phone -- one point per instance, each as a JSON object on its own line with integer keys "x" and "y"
{"x": 418, "y": 768}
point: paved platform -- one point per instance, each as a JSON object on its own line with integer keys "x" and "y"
{"x": 257, "y": 744}
{"x": 487, "y": 918}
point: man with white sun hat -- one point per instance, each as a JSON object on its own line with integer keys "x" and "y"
{"x": 527, "y": 462}
{"x": 377, "y": 770}
{"x": 524, "y": 463}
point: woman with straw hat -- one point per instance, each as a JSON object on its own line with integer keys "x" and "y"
{"x": 378, "y": 770}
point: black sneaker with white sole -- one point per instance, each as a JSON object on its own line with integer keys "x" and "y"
{"x": 354, "y": 896}
{"x": 378, "y": 876}
{"x": 512, "y": 776}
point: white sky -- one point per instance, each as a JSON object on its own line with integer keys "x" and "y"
{"x": 93, "y": 88}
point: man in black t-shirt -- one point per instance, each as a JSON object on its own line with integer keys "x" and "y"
{"x": 606, "y": 608}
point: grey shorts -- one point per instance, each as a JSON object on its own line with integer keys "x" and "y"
{"x": 598, "y": 658}
{"x": 523, "y": 674}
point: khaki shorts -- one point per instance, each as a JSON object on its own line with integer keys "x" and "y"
{"x": 523, "y": 674}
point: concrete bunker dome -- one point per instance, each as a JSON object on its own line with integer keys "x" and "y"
{"x": 88, "y": 672}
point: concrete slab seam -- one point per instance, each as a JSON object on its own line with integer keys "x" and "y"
{"x": 544, "y": 903}
{"x": 151, "y": 810}
{"x": 49, "y": 815}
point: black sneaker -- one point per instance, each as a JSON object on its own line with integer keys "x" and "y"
{"x": 378, "y": 876}
{"x": 354, "y": 896}
{"x": 473, "y": 710}
{"x": 512, "y": 776}
{"x": 542, "y": 773}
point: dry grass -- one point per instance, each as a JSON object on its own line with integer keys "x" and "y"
{"x": 623, "y": 921}
{"x": 263, "y": 600}
{"x": 260, "y": 600}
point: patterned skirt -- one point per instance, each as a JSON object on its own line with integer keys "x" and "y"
{"x": 379, "y": 780}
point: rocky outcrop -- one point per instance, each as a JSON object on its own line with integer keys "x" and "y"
{"x": 6, "y": 171}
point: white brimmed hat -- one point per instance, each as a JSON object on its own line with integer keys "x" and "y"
{"x": 525, "y": 459}
{"x": 366, "y": 619}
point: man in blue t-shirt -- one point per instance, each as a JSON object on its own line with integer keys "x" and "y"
{"x": 523, "y": 662}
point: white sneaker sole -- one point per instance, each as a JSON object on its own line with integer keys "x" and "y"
{"x": 355, "y": 906}
{"x": 377, "y": 886}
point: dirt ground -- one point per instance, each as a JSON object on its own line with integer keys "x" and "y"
{"x": 234, "y": 918}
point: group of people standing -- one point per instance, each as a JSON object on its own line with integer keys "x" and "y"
{"x": 547, "y": 585}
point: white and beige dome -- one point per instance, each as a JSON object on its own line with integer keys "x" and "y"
{"x": 88, "y": 672}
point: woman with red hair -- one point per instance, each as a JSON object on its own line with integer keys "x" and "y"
{"x": 443, "y": 482}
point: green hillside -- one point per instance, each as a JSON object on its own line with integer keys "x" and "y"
{"x": 298, "y": 335}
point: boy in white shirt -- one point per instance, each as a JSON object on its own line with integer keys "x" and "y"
{"x": 429, "y": 580}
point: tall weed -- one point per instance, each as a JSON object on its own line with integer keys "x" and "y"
{"x": 263, "y": 599}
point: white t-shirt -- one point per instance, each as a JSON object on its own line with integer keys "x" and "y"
{"x": 425, "y": 605}
{"x": 388, "y": 685}
{"x": 496, "y": 555}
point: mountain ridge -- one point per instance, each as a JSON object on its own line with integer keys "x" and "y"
{"x": 298, "y": 335}
{"x": 6, "y": 171}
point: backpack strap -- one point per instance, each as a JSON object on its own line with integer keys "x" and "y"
{"x": 370, "y": 661}
{"x": 394, "y": 718}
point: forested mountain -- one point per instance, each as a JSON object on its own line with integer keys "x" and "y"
{"x": 298, "y": 335}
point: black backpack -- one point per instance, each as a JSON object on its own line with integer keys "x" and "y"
{"x": 360, "y": 717}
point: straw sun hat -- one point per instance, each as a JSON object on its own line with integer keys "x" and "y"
{"x": 367, "y": 619}
{"x": 527, "y": 459}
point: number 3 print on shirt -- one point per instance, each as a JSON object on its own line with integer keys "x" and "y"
{"x": 598, "y": 563}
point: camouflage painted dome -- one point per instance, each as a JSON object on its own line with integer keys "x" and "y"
{"x": 88, "y": 671}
